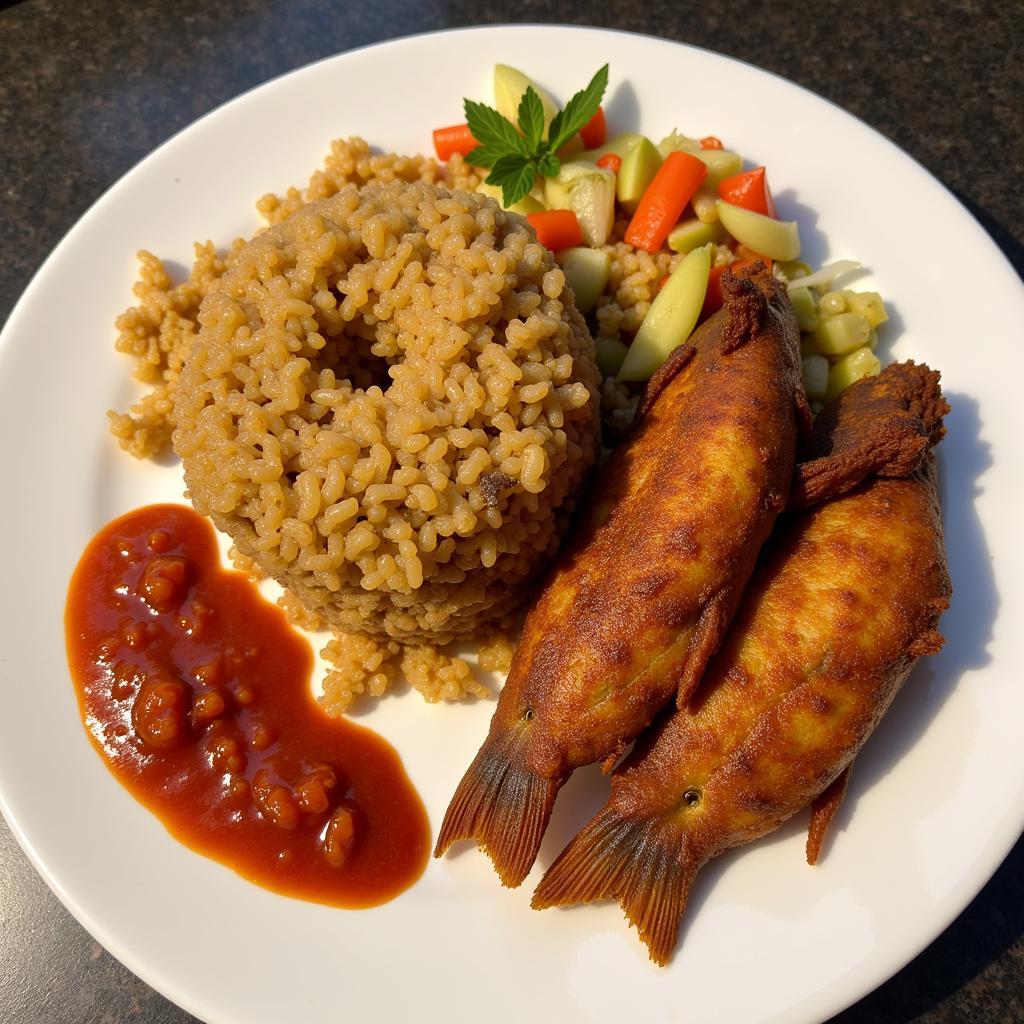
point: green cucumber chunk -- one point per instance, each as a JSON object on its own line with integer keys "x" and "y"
{"x": 861, "y": 362}
{"x": 776, "y": 239}
{"x": 688, "y": 235}
{"x": 804, "y": 307}
{"x": 721, "y": 164}
{"x": 842, "y": 333}
{"x": 815, "y": 370}
{"x": 527, "y": 205}
{"x": 587, "y": 271}
{"x": 639, "y": 166}
{"x": 671, "y": 318}
{"x": 620, "y": 145}
{"x": 868, "y": 304}
{"x": 509, "y": 86}
{"x": 705, "y": 205}
{"x": 588, "y": 191}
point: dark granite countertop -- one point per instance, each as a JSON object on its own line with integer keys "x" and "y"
{"x": 88, "y": 88}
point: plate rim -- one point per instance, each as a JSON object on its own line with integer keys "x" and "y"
{"x": 956, "y": 897}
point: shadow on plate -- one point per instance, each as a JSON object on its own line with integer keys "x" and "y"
{"x": 622, "y": 109}
{"x": 813, "y": 244}
{"x": 958, "y": 959}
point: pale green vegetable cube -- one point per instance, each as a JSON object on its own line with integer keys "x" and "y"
{"x": 842, "y": 333}
{"x": 620, "y": 145}
{"x": 869, "y": 305}
{"x": 687, "y": 235}
{"x": 815, "y": 371}
{"x": 639, "y": 166}
{"x": 677, "y": 141}
{"x": 610, "y": 353}
{"x": 721, "y": 164}
{"x": 872, "y": 342}
{"x": 671, "y": 318}
{"x": 509, "y": 86}
{"x": 776, "y": 239}
{"x": 804, "y": 307}
{"x": 862, "y": 362}
{"x": 525, "y": 206}
{"x": 705, "y": 205}
{"x": 588, "y": 191}
{"x": 794, "y": 269}
{"x": 832, "y": 303}
{"x": 587, "y": 271}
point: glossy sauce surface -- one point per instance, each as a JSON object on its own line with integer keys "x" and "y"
{"x": 196, "y": 692}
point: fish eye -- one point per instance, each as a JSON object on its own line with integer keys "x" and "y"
{"x": 691, "y": 797}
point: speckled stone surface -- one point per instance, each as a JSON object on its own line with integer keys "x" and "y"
{"x": 88, "y": 88}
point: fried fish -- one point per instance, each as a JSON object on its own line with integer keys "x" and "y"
{"x": 845, "y": 599}
{"x": 642, "y": 595}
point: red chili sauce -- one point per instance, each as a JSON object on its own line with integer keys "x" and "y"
{"x": 196, "y": 691}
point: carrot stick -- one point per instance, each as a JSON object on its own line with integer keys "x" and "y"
{"x": 556, "y": 229}
{"x": 611, "y": 161}
{"x": 456, "y": 139}
{"x": 679, "y": 176}
{"x": 595, "y": 131}
{"x": 749, "y": 190}
{"x": 711, "y": 142}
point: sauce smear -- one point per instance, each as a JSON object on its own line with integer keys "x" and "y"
{"x": 196, "y": 692}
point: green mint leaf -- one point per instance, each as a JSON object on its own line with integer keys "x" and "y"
{"x": 484, "y": 156}
{"x": 531, "y": 119}
{"x": 515, "y": 174}
{"x": 549, "y": 165}
{"x": 577, "y": 112}
{"x": 489, "y": 128}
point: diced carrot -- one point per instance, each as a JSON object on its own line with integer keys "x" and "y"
{"x": 611, "y": 162}
{"x": 571, "y": 148}
{"x": 595, "y": 131}
{"x": 556, "y": 229}
{"x": 711, "y": 142}
{"x": 456, "y": 139}
{"x": 662, "y": 282}
{"x": 679, "y": 176}
{"x": 749, "y": 190}
{"x": 747, "y": 255}
{"x": 714, "y": 297}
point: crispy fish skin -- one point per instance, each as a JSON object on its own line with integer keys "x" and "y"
{"x": 883, "y": 427}
{"x": 641, "y": 596}
{"x": 845, "y": 599}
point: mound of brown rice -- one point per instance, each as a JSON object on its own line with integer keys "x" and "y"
{"x": 159, "y": 332}
{"x": 389, "y": 405}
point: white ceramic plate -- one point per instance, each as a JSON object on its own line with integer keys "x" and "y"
{"x": 937, "y": 798}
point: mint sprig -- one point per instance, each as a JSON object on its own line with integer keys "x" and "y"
{"x": 515, "y": 158}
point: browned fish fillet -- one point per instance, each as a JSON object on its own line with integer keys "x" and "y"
{"x": 845, "y": 599}
{"x": 649, "y": 580}
{"x": 882, "y": 427}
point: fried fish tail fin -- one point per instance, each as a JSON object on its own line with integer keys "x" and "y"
{"x": 504, "y": 805}
{"x": 823, "y": 810}
{"x": 645, "y": 864}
